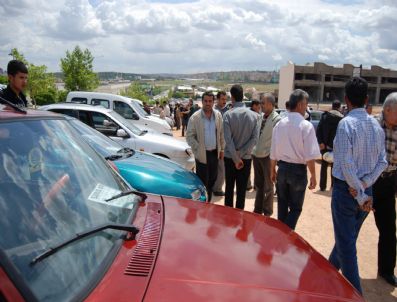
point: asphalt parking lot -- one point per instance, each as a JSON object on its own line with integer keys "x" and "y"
{"x": 315, "y": 226}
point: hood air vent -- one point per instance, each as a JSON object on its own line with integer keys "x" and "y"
{"x": 144, "y": 255}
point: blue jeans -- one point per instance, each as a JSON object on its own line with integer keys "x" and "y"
{"x": 291, "y": 186}
{"x": 348, "y": 219}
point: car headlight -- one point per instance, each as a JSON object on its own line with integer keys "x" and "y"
{"x": 199, "y": 195}
{"x": 189, "y": 152}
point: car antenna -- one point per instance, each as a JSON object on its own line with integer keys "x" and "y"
{"x": 13, "y": 106}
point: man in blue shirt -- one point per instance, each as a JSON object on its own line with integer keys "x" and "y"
{"x": 241, "y": 130}
{"x": 359, "y": 159}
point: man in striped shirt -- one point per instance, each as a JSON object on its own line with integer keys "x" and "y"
{"x": 359, "y": 159}
{"x": 384, "y": 191}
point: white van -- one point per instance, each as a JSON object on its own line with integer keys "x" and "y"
{"x": 130, "y": 109}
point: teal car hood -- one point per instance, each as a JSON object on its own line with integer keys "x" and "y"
{"x": 157, "y": 175}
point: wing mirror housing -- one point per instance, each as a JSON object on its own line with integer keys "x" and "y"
{"x": 122, "y": 133}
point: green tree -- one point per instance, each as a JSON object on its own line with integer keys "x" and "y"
{"x": 3, "y": 79}
{"x": 78, "y": 71}
{"x": 136, "y": 91}
{"x": 41, "y": 84}
{"x": 178, "y": 95}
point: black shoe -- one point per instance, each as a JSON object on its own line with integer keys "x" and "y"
{"x": 391, "y": 279}
{"x": 220, "y": 193}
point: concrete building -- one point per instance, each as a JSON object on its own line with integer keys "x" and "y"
{"x": 325, "y": 83}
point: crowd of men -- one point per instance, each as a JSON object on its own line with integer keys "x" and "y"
{"x": 226, "y": 141}
{"x": 284, "y": 150}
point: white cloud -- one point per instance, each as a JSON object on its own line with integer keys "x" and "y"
{"x": 141, "y": 36}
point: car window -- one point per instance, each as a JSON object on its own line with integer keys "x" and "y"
{"x": 137, "y": 107}
{"x": 69, "y": 112}
{"x": 123, "y": 109}
{"x": 102, "y": 144}
{"x": 53, "y": 186}
{"x": 79, "y": 100}
{"x": 99, "y": 119}
{"x": 126, "y": 123}
{"x": 101, "y": 102}
{"x": 84, "y": 117}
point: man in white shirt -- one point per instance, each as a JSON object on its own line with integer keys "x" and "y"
{"x": 294, "y": 148}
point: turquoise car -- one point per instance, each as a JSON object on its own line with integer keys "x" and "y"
{"x": 143, "y": 171}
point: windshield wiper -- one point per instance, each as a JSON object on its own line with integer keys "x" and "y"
{"x": 143, "y": 132}
{"x": 113, "y": 157}
{"x": 52, "y": 250}
{"x": 125, "y": 193}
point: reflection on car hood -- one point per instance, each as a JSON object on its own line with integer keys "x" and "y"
{"x": 154, "y": 174}
{"x": 165, "y": 140}
{"x": 212, "y": 253}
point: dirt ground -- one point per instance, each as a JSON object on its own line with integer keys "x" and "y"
{"x": 315, "y": 226}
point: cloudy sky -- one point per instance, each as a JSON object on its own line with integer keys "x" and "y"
{"x": 176, "y": 36}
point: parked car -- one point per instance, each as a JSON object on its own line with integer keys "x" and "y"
{"x": 72, "y": 229}
{"x": 143, "y": 171}
{"x": 315, "y": 116}
{"x": 125, "y": 133}
{"x": 130, "y": 109}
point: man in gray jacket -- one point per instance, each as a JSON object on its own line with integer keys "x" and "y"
{"x": 261, "y": 157}
{"x": 241, "y": 133}
{"x": 205, "y": 136}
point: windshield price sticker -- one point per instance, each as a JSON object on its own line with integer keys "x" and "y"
{"x": 102, "y": 192}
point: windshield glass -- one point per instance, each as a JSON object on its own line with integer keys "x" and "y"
{"x": 53, "y": 186}
{"x": 126, "y": 123}
{"x": 138, "y": 108}
{"x": 101, "y": 143}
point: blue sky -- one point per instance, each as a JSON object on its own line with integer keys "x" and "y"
{"x": 147, "y": 36}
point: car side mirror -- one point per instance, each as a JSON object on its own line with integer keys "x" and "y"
{"x": 121, "y": 133}
{"x": 108, "y": 123}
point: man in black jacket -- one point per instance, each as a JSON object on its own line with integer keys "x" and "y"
{"x": 17, "y": 78}
{"x": 326, "y": 131}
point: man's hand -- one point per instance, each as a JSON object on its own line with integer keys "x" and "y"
{"x": 239, "y": 165}
{"x": 273, "y": 175}
{"x": 313, "y": 182}
{"x": 367, "y": 205}
{"x": 221, "y": 155}
{"x": 353, "y": 192}
{"x": 322, "y": 146}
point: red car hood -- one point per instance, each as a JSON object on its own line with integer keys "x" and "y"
{"x": 212, "y": 253}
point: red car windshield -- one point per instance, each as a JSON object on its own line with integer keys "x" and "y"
{"x": 53, "y": 186}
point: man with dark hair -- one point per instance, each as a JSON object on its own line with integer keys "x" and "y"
{"x": 260, "y": 157}
{"x": 359, "y": 159}
{"x": 17, "y": 81}
{"x": 205, "y": 136}
{"x": 241, "y": 133}
{"x": 384, "y": 192}
{"x": 294, "y": 148}
{"x": 256, "y": 106}
{"x": 326, "y": 131}
{"x": 221, "y": 99}
{"x": 220, "y": 105}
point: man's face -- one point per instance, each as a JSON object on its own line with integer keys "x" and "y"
{"x": 256, "y": 108}
{"x": 208, "y": 103}
{"x": 267, "y": 106}
{"x": 19, "y": 81}
{"x": 390, "y": 115}
{"x": 222, "y": 101}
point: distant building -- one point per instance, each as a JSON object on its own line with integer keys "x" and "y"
{"x": 325, "y": 83}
